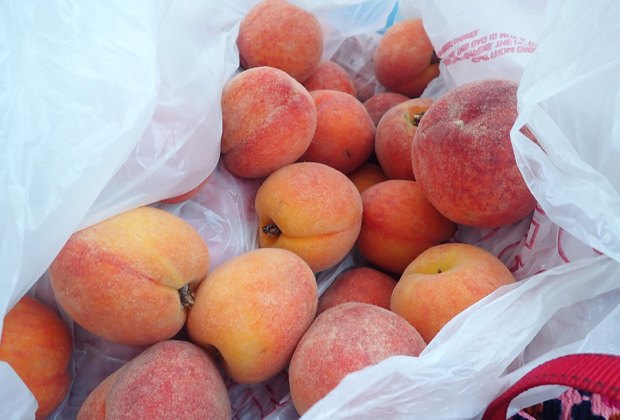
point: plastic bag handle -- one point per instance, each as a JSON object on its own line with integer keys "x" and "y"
{"x": 591, "y": 372}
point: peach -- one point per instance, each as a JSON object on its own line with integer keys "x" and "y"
{"x": 311, "y": 209}
{"x": 463, "y": 159}
{"x": 330, "y": 75}
{"x": 277, "y": 33}
{"x": 268, "y": 120}
{"x": 344, "y": 339}
{"x": 344, "y": 135}
{"x": 37, "y": 344}
{"x": 170, "y": 379}
{"x": 130, "y": 278}
{"x": 359, "y": 284}
{"x": 252, "y": 311}
{"x": 366, "y": 175}
{"x": 379, "y": 103}
{"x": 443, "y": 281}
{"x": 188, "y": 195}
{"x": 398, "y": 223}
{"x": 394, "y": 137}
{"x": 404, "y": 59}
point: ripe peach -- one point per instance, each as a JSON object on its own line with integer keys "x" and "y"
{"x": 404, "y": 59}
{"x": 129, "y": 278}
{"x": 268, "y": 120}
{"x": 330, "y": 75}
{"x": 359, "y": 284}
{"x": 252, "y": 310}
{"x": 366, "y": 175}
{"x": 344, "y": 339}
{"x": 38, "y": 346}
{"x": 398, "y": 223}
{"x": 394, "y": 137}
{"x": 443, "y": 281}
{"x": 379, "y": 103}
{"x": 170, "y": 379}
{"x": 345, "y": 134}
{"x": 311, "y": 209}
{"x": 277, "y": 33}
{"x": 463, "y": 159}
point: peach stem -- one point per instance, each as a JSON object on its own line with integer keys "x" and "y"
{"x": 187, "y": 296}
{"x": 417, "y": 118}
{"x": 271, "y": 229}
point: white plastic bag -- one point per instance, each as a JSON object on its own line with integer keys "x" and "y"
{"x": 107, "y": 107}
{"x": 566, "y": 254}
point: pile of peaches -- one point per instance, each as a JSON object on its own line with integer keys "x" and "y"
{"x": 391, "y": 178}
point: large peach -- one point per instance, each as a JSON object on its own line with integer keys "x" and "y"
{"x": 463, "y": 159}
{"x": 311, "y": 209}
{"x": 398, "y": 223}
{"x": 443, "y": 281}
{"x": 330, "y": 75}
{"x": 268, "y": 120}
{"x": 404, "y": 59}
{"x": 379, "y": 103}
{"x": 277, "y": 33}
{"x": 344, "y": 135}
{"x": 129, "y": 278}
{"x": 252, "y": 311}
{"x": 171, "y": 379}
{"x": 38, "y": 346}
{"x": 394, "y": 137}
{"x": 344, "y": 339}
{"x": 366, "y": 175}
{"x": 359, "y": 284}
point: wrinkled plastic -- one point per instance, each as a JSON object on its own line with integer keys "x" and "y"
{"x": 107, "y": 107}
{"x": 566, "y": 254}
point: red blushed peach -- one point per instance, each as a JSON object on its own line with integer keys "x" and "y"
{"x": 359, "y": 284}
{"x": 379, "y": 103}
{"x": 268, "y": 120}
{"x": 443, "y": 281}
{"x": 130, "y": 278}
{"x": 394, "y": 137}
{"x": 171, "y": 379}
{"x": 344, "y": 339}
{"x": 344, "y": 135}
{"x": 462, "y": 156}
{"x": 366, "y": 175}
{"x": 399, "y": 223}
{"x": 252, "y": 311}
{"x": 330, "y": 75}
{"x": 38, "y": 346}
{"x": 311, "y": 209}
{"x": 188, "y": 195}
{"x": 404, "y": 59}
{"x": 277, "y": 33}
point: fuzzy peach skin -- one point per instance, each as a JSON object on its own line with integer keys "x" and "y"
{"x": 398, "y": 223}
{"x": 252, "y": 311}
{"x": 463, "y": 159}
{"x": 129, "y": 278}
{"x": 366, "y": 175}
{"x": 443, "y": 281}
{"x": 37, "y": 344}
{"x": 404, "y": 60}
{"x": 344, "y": 135}
{"x": 277, "y": 33}
{"x": 344, "y": 339}
{"x": 311, "y": 209}
{"x": 379, "y": 103}
{"x": 171, "y": 379}
{"x": 268, "y": 121}
{"x": 330, "y": 75}
{"x": 359, "y": 284}
{"x": 394, "y": 137}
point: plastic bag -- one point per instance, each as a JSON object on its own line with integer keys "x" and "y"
{"x": 565, "y": 254}
{"x": 111, "y": 106}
